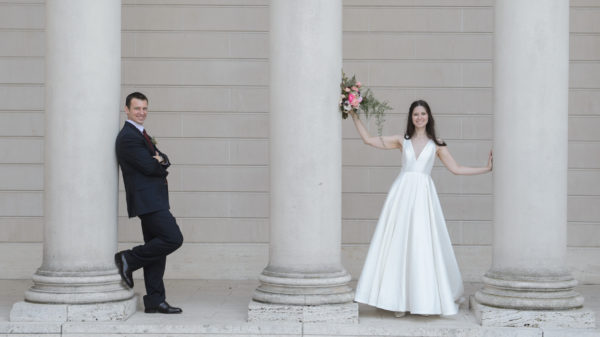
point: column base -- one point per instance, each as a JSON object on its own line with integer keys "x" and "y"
{"x": 499, "y": 317}
{"x": 313, "y": 289}
{"x": 40, "y": 312}
{"x": 526, "y": 290}
{"x": 327, "y": 313}
{"x": 51, "y": 287}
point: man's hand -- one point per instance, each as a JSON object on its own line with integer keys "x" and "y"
{"x": 158, "y": 157}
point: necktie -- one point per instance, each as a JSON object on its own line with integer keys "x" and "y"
{"x": 149, "y": 141}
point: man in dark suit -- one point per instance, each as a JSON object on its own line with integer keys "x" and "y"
{"x": 144, "y": 170}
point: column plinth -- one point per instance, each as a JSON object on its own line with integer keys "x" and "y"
{"x": 78, "y": 280}
{"x": 304, "y": 288}
{"x": 305, "y": 280}
{"x": 528, "y": 284}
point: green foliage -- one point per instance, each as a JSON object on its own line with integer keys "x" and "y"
{"x": 360, "y": 100}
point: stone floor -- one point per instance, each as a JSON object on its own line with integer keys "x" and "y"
{"x": 218, "y": 308}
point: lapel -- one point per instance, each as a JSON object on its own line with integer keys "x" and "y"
{"x": 138, "y": 134}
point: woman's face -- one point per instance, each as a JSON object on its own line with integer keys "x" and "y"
{"x": 419, "y": 117}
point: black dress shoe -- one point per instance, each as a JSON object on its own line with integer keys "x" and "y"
{"x": 163, "y": 308}
{"x": 124, "y": 269}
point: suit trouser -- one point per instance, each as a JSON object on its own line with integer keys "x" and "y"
{"x": 162, "y": 236}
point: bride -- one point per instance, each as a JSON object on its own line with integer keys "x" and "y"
{"x": 410, "y": 266}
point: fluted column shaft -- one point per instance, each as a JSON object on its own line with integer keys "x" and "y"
{"x": 531, "y": 73}
{"x": 83, "y": 75}
{"x": 306, "y": 62}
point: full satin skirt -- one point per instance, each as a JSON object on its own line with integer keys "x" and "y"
{"x": 410, "y": 265}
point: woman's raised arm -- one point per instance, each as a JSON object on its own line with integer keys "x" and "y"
{"x": 382, "y": 142}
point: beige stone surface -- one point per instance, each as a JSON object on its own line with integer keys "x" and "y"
{"x": 219, "y": 308}
{"x": 204, "y": 66}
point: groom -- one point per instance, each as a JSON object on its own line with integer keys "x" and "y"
{"x": 144, "y": 170}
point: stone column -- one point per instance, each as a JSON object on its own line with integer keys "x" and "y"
{"x": 305, "y": 280}
{"x": 529, "y": 277}
{"x": 78, "y": 280}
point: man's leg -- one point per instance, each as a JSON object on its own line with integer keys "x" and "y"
{"x": 161, "y": 236}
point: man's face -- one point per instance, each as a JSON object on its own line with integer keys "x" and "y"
{"x": 137, "y": 110}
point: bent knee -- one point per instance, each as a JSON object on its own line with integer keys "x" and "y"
{"x": 176, "y": 241}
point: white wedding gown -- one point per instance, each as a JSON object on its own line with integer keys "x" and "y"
{"x": 410, "y": 265}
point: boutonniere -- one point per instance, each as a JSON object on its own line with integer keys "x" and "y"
{"x": 153, "y": 140}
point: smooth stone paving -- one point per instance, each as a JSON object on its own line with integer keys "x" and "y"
{"x": 220, "y": 307}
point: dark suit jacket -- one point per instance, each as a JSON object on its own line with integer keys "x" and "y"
{"x": 145, "y": 179}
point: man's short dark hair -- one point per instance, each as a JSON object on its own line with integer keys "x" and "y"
{"x": 133, "y": 95}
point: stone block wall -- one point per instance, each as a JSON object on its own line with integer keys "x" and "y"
{"x": 204, "y": 66}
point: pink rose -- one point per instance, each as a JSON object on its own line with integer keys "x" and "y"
{"x": 354, "y": 99}
{"x": 354, "y": 88}
{"x": 358, "y": 84}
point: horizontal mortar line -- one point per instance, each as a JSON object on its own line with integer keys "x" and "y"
{"x": 21, "y": 3}
{"x": 371, "y": 220}
{"x": 261, "y": 193}
{"x": 212, "y": 191}
{"x": 22, "y": 84}
{"x": 408, "y": 88}
{"x": 584, "y": 169}
{"x": 218, "y": 165}
{"x": 22, "y": 217}
{"x": 216, "y": 86}
{"x": 186, "y": 5}
{"x": 219, "y": 242}
{"x": 222, "y": 165}
{"x": 583, "y": 141}
{"x": 424, "y": 61}
{"x": 463, "y": 140}
{"x": 407, "y": 31}
{"x": 439, "y": 194}
{"x": 175, "y": 58}
{"x": 207, "y": 31}
{"x": 419, "y": 6}
{"x": 206, "y": 112}
{"x": 213, "y": 218}
{"x": 21, "y": 164}
{"x": 210, "y": 138}
{"x": 22, "y": 137}
{"x": 22, "y": 30}
{"x": 428, "y": 60}
{"x": 21, "y": 242}
{"x": 585, "y": 34}
{"x": 443, "y": 114}
{"x": 15, "y": 111}
{"x": 35, "y": 85}
{"x": 26, "y": 163}
{"x": 417, "y": 33}
{"x": 209, "y": 243}
{"x": 191, "y": 30}
{"x": 576, "y": 61}
{"x": 584, "y": 89}
{"x": 36, "y": 191}
{"x": 20, "y": 57}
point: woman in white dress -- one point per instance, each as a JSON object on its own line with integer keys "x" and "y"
{"x": 410, "y": 266}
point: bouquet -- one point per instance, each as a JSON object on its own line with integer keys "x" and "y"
{"x": 352, "y": 99}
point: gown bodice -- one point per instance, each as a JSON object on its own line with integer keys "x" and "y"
{"x": 422, "y": 164}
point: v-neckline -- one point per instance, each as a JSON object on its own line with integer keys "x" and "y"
{"x": 420, "y": 153}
